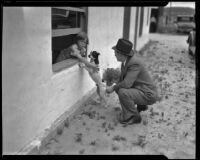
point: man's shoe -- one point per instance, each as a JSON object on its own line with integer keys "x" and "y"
{"x": 130, "y": 120}
{"x": 135, "y": 119}
{"x": 142, "y": 108}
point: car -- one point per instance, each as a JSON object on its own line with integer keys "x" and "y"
{"x": 185, "y": 23}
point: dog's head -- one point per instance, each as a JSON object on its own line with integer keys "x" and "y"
{"x": 111, "y": 76}
{"x": 94, "y": 57}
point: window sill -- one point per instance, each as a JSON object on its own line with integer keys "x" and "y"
{"x": 57, "y": 67}
{"x": 65, "y": 32}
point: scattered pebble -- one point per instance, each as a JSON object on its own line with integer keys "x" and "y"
{"x": 78, "y": 137}
{"x": 103, "y": 124}
{"x": 110, "y": 127}
{"x": 145, "y": 122}
{"x": 115, "y": 148}
{"x": 93, "y": 143}
{"x": 66, "y": 123}
{"x": 60, "y": 130}
{"x": 118, "y": 138}
{"x": 82, "y": 151}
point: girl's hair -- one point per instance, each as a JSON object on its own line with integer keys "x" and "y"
{"x": 82, "y": 36}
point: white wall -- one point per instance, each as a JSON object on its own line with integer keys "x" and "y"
{"x": 141, "y": 41}
{"x": 105, "y": 27}
{"x": 33, "y": 96}
{"x": 132, "y": 25}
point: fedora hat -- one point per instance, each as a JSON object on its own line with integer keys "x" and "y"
{"x": 124, "y": 47}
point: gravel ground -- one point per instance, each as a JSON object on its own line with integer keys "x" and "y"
{"x": 167, "y": 127}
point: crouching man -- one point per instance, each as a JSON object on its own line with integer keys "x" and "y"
{"x": 135, "y": 85}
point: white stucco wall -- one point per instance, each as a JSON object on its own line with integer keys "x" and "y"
{"x": 105, "y": 27}
{"x": 132, "y": 25}
{"x": 141, "y": 41}
{"x": 33, "y": 96}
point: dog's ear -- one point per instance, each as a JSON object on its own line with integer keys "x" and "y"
{"x": 96, "y": 53}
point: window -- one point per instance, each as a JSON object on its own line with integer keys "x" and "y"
{"x": 184, "y": 19}
{"x": 66, "y": 23}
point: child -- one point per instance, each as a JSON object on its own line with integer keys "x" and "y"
{"x": 81, "y": 42}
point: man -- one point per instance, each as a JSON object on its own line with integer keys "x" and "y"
{"x": 135, "y": 85}
{"x": 192, "y": 41}
{"x": 153, "y": 25}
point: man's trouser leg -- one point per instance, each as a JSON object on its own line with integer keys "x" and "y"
{"x": 128, "y": 98}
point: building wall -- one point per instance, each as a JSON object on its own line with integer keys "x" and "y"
{"x": 167, "y": 21}
{"x": 144, "y": 38}
{"x": 132, "y": 25}
{"x": 105, "y": 27}
{"x": 33, "y": 96}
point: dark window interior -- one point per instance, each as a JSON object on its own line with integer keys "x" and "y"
{"x": 60, "y": 43}
{"x": 63, "y": 19}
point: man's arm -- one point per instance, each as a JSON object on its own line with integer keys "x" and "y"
{"x": 131, "y": 76}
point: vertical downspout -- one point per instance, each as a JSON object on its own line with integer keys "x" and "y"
{"x": 126, "y": 25}
{"x": 136, "y": 27}
{"x": 86, "y": 26}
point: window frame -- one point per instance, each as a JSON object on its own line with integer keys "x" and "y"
{"x": 57, "y": 67}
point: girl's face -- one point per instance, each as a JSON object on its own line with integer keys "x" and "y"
{"x": 82, "y": 43}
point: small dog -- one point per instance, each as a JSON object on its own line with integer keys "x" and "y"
{"x": 95, "y": 75}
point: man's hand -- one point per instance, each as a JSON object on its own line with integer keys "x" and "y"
{"x": 109, "y": 89}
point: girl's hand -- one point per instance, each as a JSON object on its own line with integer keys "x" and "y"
{"x": 75, "y": 53}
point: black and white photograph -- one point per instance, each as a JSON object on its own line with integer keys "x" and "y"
{"x": 99, "y": 80}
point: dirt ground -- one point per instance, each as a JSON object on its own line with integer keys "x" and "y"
{"x": 167, "y": 127}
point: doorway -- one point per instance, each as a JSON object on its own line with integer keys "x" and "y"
{"x": 153, "y": 20}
